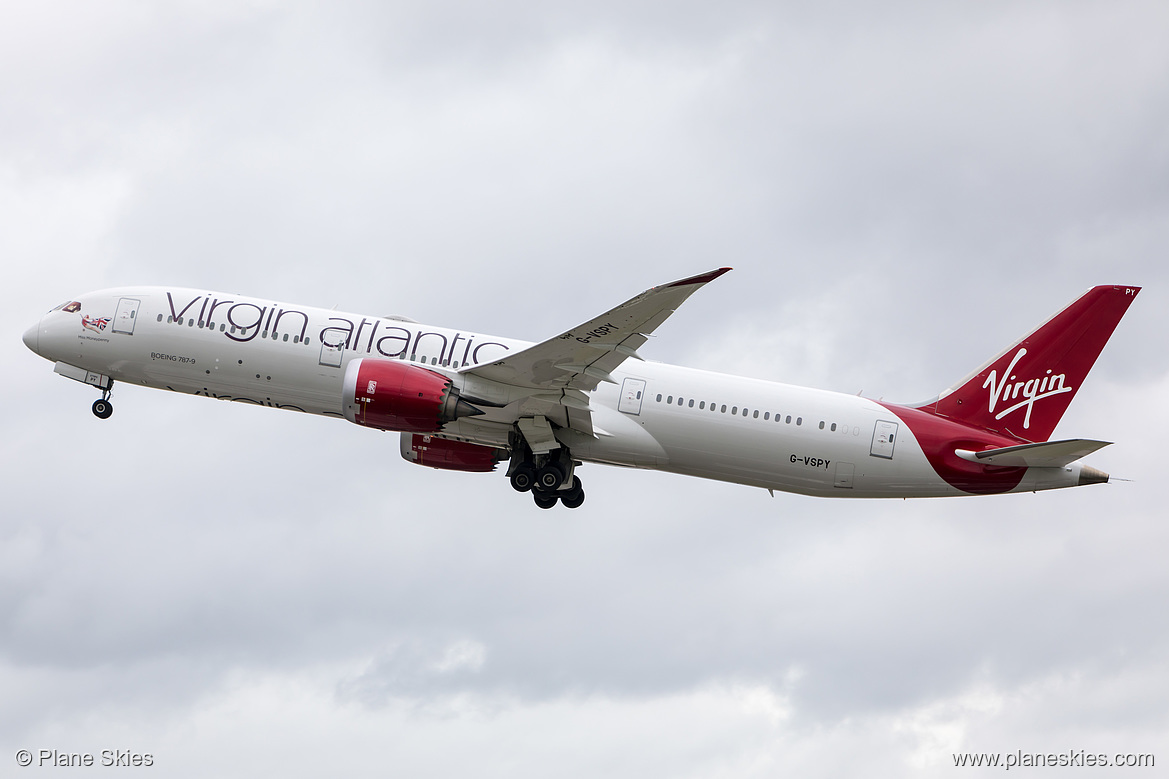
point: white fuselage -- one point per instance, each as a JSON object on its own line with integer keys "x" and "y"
{"x": 681, "y": 420}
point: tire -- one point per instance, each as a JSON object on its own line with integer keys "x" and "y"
{"x": 549, "y": 478}
{"x": 544, "y": 501}
{"x": 523, "y": 479}
{"x": 574, "y": 496}
{"x": 102, "y": 409}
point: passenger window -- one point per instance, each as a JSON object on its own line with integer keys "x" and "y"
{"x": 833, "y": 427}
{"x": 222, "y": 327}
{"x": 691, "y": 403}
{"x": 659, "y": 397}
{"x": 670, "y": 400}
{"x": 734, "y": 410}
{"x": 755, "y": 415}
{"x": 724, "y": 408}
{"x": 766, "y": 415}
{"x": 821, "y": 424}
{"x": 170, "y": 320}
{"x": 789, "y": 419}
{"x": 286, "y": 338}
{"x": 799, "y": 420}
{"x": 679, "y": 400}
{"x": 702, "y": 405}
{"x": 160, "y": 317}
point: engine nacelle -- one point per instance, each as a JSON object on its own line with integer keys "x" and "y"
{"x": 391, "y": 395}
{"x": 450, "y": 455}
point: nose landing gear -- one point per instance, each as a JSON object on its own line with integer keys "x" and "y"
{"x": 102, "y": 409}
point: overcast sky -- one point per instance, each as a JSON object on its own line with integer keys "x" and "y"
{"x": 902, "y": 190}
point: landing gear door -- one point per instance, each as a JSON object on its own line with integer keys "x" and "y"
{"x": 631, "y": 393}
{"x": 331, "y": 354}
{"x": 884, "y": 439}
{"x": 125, "y": 315}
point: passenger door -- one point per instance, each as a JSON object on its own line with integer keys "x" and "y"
{"x": 125, "y": 315}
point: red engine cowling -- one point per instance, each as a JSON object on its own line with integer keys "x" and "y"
{"x": 450, "y": 455}
{"x": 392, "y": 395}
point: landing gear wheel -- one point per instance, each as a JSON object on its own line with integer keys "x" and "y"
{"x": 549, "y": 477}
{"x": 544, "y": 501}
{"x": 574, "y": 496}
{"x": 523, "y": 479}
{"x": 102, "y": 408}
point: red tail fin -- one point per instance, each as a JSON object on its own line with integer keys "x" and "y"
{"x": 1025, "y": 390}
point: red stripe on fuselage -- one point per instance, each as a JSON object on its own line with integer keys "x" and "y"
{"x": 938, "y": 437}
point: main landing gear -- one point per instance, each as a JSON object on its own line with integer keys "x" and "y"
{"x": 548, "y": 476}
{"x": 102, "y": 409}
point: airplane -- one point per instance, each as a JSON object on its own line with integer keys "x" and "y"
{"x": 466, "y": 401}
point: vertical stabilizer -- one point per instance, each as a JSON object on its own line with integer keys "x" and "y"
{"x": 1024, "y": 391}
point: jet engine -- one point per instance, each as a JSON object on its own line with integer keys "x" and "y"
{"x": 390, "y": 395}
{"x": 450, "y": 455}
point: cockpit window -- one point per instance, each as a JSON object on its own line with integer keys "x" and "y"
{"x": 71, "y": 307}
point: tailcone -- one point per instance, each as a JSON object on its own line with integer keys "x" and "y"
{"x": 1090, "y": 475}
{"x": 465, "y": 409}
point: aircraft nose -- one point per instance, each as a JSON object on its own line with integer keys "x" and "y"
{"x": 32, "y": 338}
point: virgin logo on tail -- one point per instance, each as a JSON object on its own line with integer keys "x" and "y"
{"x": 1030, "y": 390}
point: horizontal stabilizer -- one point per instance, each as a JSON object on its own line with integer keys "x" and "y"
{"x": 1051, "y": 454}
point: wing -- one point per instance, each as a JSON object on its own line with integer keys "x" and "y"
{"x": 552, "y": 378}
{"x": 586, "y": 355}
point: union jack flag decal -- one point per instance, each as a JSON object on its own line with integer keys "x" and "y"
{"x": 95, "y": 324}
